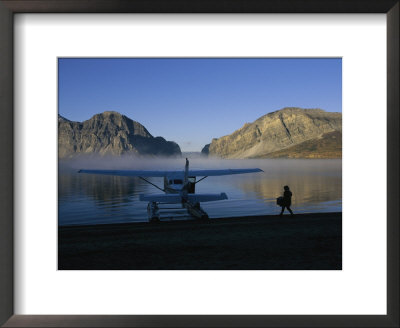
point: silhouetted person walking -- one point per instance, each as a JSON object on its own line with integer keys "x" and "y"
{"x": 287, "y": 200}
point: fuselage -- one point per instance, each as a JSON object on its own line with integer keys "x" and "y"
{"x": 174, "y": 184}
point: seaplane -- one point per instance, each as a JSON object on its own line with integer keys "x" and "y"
{"x": 179, "y": 188}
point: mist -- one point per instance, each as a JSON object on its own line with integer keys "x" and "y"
{"x": 271, "y": 167}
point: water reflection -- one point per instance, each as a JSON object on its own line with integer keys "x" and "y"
{"x": 316, "y": 186}
{"x": 305, "y": 189}
{"x": 103, "y": 189}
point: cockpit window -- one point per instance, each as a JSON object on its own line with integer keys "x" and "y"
{"x": 178, "y": 181}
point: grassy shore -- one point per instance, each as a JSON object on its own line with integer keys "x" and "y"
{"x": 304, "y": 242}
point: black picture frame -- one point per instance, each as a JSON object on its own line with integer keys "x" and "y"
{"x": 7, "y": 10}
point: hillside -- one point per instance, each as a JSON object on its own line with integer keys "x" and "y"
{"x": 289, "y": 132}
{"x": 329, "y": 145}
{"x": 110, "y": 133}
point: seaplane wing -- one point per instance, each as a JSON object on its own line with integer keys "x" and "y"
{"x": 177, "y": 198}
{"x": 195, "y": 173}
{"x": 133, "y": 173}
{"x": 209, "y": 173}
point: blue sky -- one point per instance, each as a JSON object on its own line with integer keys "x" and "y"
{"x": 191, "y": 101}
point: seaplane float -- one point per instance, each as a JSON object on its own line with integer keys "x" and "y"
{"x": 179, "y": 188}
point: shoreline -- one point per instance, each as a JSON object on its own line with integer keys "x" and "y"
{"x": 304, "y": 242}
{"x": 193, "y": 220}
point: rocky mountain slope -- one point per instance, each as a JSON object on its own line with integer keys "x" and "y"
{"x": 329, "y": 145}
{"x": 289, "y": 132}
{"x": 110, "y": 133}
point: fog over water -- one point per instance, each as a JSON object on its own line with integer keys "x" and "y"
{"x": 96, "y": 199}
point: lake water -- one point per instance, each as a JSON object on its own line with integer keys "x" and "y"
{"x": 94, "y": 199}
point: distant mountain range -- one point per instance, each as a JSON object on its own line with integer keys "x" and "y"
{"x": 110, "y": 133}
{"x": 286, "y": 133}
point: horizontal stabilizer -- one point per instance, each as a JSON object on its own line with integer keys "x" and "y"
{"x": 193, "y": 198}
{"x": 177, "y": 198}
{"x": 162, "y": 198}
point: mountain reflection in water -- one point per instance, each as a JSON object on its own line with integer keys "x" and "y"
{"x": 96, "y": 199}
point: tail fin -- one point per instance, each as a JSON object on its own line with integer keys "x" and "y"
{"x": 186, "y": 171}
{"x": 185, "y": 180}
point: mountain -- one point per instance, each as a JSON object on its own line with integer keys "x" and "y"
{"x": 329, "y": 145}
{"x": 62, "y": 119}
{"x": 110, "y": 133}
{"x": 290, "y": 132}
{"x": 206, "y": 150}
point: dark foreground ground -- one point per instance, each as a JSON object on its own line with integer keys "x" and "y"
{"x": 306, "y": 241}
